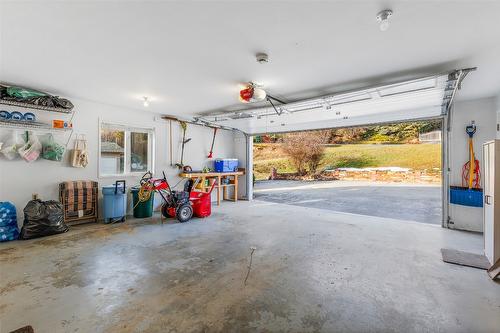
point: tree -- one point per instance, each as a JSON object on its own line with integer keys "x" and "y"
{"x": 305, "y": 149}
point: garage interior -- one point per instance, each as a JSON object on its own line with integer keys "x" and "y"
{"x": 126, "y": 182}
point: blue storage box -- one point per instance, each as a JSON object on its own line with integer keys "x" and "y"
{"x": 8, "y": 222}
{"x": 226, "y": 165}
{"x": 114, "y": 199}
{"x": 466, "y": 197}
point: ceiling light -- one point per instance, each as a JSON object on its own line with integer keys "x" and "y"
{"x": 383, "y": 19}
{"x": 262, "y": 58}
{"x": 146, "y": 102}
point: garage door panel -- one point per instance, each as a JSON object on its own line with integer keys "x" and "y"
{"x": 293, "y": 124}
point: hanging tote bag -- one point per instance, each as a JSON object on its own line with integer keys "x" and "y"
{"x": 79, "y": 154}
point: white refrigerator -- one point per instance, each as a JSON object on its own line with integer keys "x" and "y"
{"x": 491, "y": 191}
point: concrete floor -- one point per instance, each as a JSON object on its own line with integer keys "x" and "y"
{"x": 313, "y": 270}
{"x": 409, "y": 202}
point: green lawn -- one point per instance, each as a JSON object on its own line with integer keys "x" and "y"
{"x": 414, "y": 156}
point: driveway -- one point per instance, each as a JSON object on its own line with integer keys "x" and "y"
{"x": 410, "y": 202}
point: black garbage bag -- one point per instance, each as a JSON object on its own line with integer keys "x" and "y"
{"x": 47, "y": 101}
{"x": 63, "y": 103}
{"x": 43, "y": 218}
{"x": 3, "y": 91}
{"x": 50, "y": 101}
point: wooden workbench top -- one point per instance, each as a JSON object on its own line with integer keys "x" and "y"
{"x": 210, "y": 174}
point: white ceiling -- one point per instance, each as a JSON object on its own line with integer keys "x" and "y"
{"x": 189, "y": 57}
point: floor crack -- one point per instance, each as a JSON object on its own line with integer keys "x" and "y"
{"x": 252, "y": 250}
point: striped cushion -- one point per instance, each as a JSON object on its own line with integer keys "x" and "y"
{"x": 78, "y": 195}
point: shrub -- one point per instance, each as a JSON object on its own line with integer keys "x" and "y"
{"x": 305, "y": 149}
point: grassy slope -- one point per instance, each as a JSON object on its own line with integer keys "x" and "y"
{"x": 418, "y": 157}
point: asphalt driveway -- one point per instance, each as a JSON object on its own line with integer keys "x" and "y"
{"x": 409, "y": 202}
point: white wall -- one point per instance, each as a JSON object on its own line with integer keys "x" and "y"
{"x": 498, "y": 115}
{"x": 19, "y": 179}
{"x": 483, "y": 112}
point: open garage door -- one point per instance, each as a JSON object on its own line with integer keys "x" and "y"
{"x": 422, "y": 98}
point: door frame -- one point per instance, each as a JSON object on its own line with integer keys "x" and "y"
{"x": 445, "y": 169}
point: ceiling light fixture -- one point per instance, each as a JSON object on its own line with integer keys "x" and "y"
{"x": 146, "y": 101}
{"x": 383, "y": 19}
{"x": 262, "y": 58}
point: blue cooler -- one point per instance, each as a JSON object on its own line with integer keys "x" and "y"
{"x": 226, "y": 165}
{"x": 114, "y": 199}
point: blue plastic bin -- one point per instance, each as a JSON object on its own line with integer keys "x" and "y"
{"x": 226, "y": 165}
{"x": 8, "y": 222}
{"x": 114, "y": 199}
{"x": 466, "y": 197}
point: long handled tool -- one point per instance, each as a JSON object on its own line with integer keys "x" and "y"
{"x": 470, "y": 170}
{"x": 170, "y": 119}
{"x": 184, "y": 141}
{"x": 170, "y": 134}
{"x": 210, "y": 154}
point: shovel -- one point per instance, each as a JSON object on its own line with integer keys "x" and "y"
{"x": 210, "y": 154}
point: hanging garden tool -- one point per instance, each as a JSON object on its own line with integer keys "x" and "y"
{"x": 210, "y": 154}
{"x": 170, "y": 119}
{"x": 184, "y": 141}
{"x": 170, "y": 142}
{"x": 471, "y": 170}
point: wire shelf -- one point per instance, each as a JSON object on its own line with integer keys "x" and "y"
{"x": 35, "y": 107}
{"x": 30, "y": 125}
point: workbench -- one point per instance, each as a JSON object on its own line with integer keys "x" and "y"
{"x": 224, "y": 180}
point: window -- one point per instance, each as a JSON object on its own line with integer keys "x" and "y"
{"x": 125, "y": 150}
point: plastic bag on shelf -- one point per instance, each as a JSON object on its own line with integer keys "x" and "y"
{"x": 23, "y": 93}
{"x": 31, "y": 150}
{"x": 10, "y": 147}
{"x": 51, "y": 150}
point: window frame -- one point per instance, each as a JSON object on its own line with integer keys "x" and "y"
{"x": 127, "y": 149}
